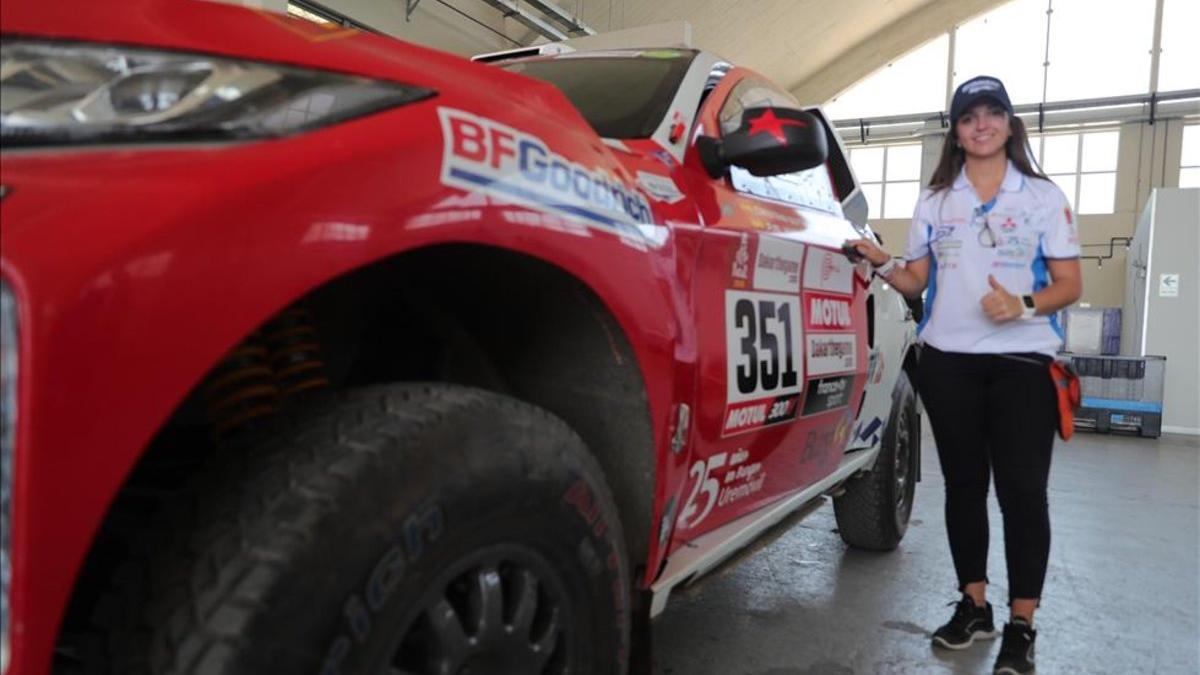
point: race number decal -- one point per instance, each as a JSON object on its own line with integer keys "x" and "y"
{"x": 764, "y": 363}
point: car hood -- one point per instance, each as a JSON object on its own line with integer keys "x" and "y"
{"x": 239, "y": 32}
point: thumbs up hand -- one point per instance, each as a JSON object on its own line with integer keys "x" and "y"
{"x": 999, "y": 304}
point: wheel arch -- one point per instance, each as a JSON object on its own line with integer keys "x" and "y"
{"x": 471, "y": 314}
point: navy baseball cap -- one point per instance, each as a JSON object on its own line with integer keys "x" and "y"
{"x": 975, "y": 90}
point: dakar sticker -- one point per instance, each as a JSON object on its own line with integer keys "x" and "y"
{"x": 829, "y": 353}
{"x": 482, "y": 155}
{"x": 777, "y": 265}
{"x": 827, "y": 271}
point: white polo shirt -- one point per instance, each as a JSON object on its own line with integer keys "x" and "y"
{"x": 1030, "y": 221}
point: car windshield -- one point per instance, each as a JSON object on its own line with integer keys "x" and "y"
{"x": 621, "y": 96}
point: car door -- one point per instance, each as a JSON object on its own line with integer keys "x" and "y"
{"x": 780, "y": 321}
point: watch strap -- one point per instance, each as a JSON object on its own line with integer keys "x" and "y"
{"x": 1028, "y": 308}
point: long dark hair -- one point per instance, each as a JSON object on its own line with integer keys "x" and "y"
{"x": 953, "y": 156}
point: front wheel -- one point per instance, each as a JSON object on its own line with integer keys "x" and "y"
{"x": 873, "y": 511}
{"x": 399, "y": 529}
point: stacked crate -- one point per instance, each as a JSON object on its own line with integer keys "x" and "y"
{"x": 1120, "y": 393}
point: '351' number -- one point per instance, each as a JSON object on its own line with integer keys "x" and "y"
{"x": 762, "y": 345}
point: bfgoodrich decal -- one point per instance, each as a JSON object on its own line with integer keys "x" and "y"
{"x": 482, "y": 155}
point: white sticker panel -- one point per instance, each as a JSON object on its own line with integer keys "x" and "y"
{"x": 777, "y": 267}
{"x": 762, "y": 343}
{"x": 828, "y": 271}
{"x": 828, "y": 353}
{"x": 659, "y": 187}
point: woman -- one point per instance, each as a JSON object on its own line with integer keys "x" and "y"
{"x": 994, "y": 241}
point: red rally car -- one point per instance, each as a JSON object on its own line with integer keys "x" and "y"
{"x": 323, "y": 352}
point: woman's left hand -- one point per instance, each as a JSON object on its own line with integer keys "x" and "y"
{"x": 999, "y": 304}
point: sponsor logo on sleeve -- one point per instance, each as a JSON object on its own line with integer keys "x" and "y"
{"x": 483, "y": 155}
{"x": 777, "y": 265}
{"x": 830, "y": 353}
{"x": 828, "y": 393}
{"x": 827, "y": 271}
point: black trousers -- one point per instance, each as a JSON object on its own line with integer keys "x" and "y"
{"x": 992, "y": 414}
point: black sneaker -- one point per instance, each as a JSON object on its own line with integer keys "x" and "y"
{"x": 969, "y": 623}
{"x": 1016, "y": 651}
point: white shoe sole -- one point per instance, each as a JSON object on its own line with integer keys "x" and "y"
{"x": 978, "y": 635}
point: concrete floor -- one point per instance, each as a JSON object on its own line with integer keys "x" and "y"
{"x": 1121, "y": 592}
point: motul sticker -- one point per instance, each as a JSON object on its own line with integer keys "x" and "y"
{"x": 830, "y": 353}
{"x": 482, "y": 155}
{"x": 777, "y": 265}
{"x": 743, "y": 417}
{"x": 829, "y": 393}
{"x": 827, "y": 312}
{"x": 827, "y": 271}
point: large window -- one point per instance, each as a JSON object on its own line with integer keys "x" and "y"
{"x": 904, "y": 86}
{"x": 1044, "y": 51}
{"x": 1189, "y": 161}
{"x": 890, "y": 176}
{"x": 1020, "y": 27}
{"x": 1099, "y": 48}
{"x": 1177, "y": 67}
{"x": 1084, "y": 165}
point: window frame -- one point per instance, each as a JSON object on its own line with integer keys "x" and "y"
{"x": 883, "y": 180}
{"x": 1078, "y": 173}
{"x": 1195, "y": 127}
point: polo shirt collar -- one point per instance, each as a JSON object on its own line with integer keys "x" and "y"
{"x": 1013, "y": 180}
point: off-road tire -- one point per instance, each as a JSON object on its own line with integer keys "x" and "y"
{"x": 873, "y": 511}
{"x": 394, "y": 526}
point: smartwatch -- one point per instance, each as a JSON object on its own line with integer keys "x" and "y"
{"x": 1029, "y": 310}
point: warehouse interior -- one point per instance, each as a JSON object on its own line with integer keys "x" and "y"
{"x": 1110, "y": 93}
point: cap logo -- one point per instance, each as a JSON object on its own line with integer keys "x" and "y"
{"x": 981, "y": 85}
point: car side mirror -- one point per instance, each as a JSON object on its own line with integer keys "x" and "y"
{"x": 769, "y": 142}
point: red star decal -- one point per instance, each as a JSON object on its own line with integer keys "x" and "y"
{"x": 769, "y": 123}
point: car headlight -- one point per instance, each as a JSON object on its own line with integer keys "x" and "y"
{"x": 8, "y": 433}
{"x": 60, "y": 92}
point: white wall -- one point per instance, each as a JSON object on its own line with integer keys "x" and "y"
{"x": 1173, "y": 322}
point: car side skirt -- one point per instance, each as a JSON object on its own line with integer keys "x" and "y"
{"x": 709, "y": 550}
